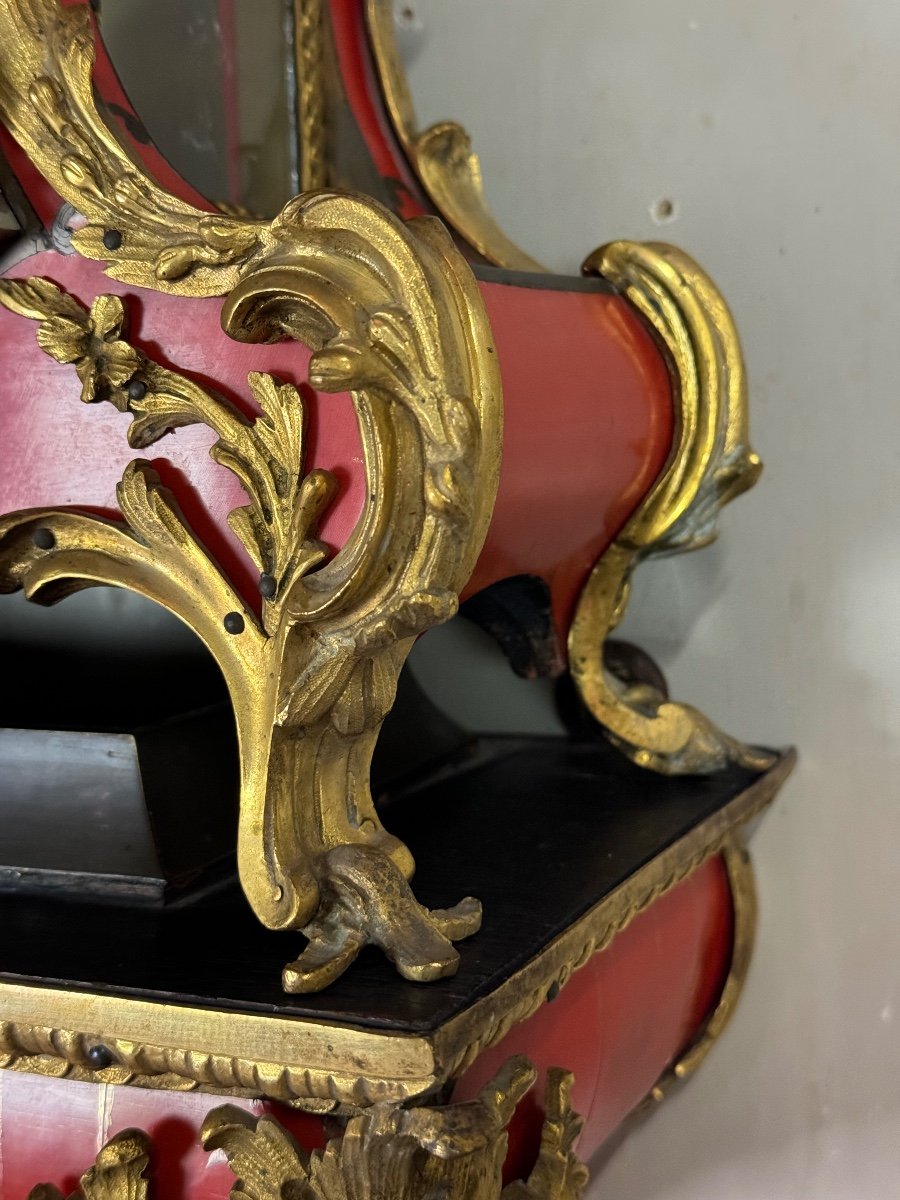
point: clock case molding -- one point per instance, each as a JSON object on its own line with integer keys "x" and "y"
{"x": 421, "y": 328}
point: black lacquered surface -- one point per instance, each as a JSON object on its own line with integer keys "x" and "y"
{"x": 540, "y": 829}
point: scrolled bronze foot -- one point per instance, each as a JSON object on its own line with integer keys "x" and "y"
{"x": 367, "y": 900}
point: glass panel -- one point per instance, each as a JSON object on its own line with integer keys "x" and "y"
{"x": 8, "y": 223}
{"x": 212, "y": 80}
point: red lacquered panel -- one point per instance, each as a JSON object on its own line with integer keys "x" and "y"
{"x": 51, "y": 1130}
{"x": 588, "y": 424}
{"x": 618, "y": 1023}
{"x": 625, "y": 1016}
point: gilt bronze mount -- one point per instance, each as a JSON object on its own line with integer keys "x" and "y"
{"x": 620, "y": 844}
{"x": 456, "y": 1151}
{"x": 393, "y": 315}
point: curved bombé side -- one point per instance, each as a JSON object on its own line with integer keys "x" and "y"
{"x": 711, "y": 460}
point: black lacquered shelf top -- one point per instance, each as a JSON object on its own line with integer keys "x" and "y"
{"x": 539, "y": 829}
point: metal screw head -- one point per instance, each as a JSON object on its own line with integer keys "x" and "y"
{"x": 43, "y": 539}
{"x": 112, "y": 239}
{"x": 137, "y": 389}
{"x": 100, "y": 1057}
{"x": 268, "y": 586}
{"x": 234, "y": 622}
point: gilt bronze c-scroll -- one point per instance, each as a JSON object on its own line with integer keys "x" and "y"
{"x": 710, "y": 464}
{"x": 456, "y": 1151}
{"x": 394, "y": 316}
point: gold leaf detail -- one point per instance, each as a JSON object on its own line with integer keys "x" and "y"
{"x": 175, "y": 262}
{"x": 456, "y": 1152}
{"x": 165, "y": 241}
{"x": 391, "y": 312}
{"x": 117, "y": 1173}
{"x": 268, "y": 1162}
{"x": 38, "y": 299}
{"x": 712, "y": 464}
{"x": 63, "y": 339}
{"x": 77, "y": 172}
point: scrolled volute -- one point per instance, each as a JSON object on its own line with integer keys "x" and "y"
{"x": 711, "y": 463}
{"x": 393, "y": 318}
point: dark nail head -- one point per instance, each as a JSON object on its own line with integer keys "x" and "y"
{"x": 267, "y": 586}
{"x": 137, "y": 389}
{"x": 43, "y": 539}
{"x": 234, "y": 622}
{"x": 112, "y": 239}
{"x": 99, "y": 1057}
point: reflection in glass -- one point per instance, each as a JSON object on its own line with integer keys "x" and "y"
{"x": 212, "y": 81}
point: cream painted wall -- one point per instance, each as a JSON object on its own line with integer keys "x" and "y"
{"x": 773, "y": 127}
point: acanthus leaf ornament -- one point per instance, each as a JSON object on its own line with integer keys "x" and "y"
{"x": 339, "y": 636}
{"x": 388, "y": 1152}
{"x": 148, "y": 236}
{"x": 312, "y": 684}
{"x": 711, "y": 463}
{"x": 456, "y": 1151}
{"x": 118, "y": 1173}
{"x": 392, "y": 314}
